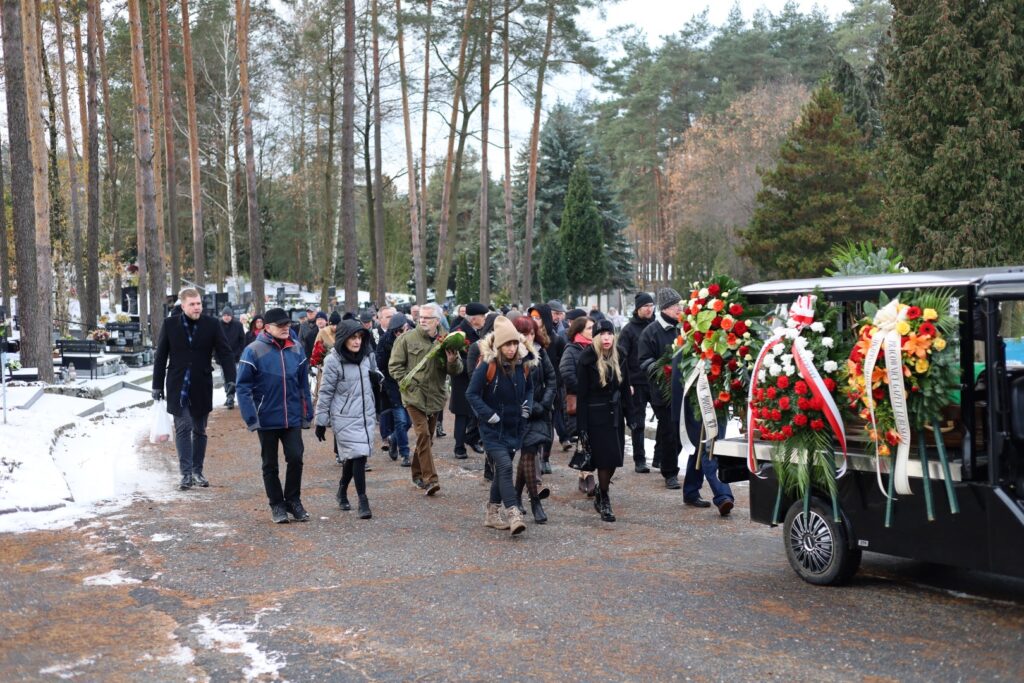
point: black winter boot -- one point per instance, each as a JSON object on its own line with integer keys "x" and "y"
{"x": 342, "y": 497}
{"x": 364, "y": 508}
{"x": 539, "y": 516}
{"x": 606, "y": 508}
{"x": 597, "y": 499}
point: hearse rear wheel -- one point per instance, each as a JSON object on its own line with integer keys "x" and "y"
{"x": 817, "y": 548}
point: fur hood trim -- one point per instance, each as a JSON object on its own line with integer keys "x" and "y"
{"x": 527, "y": 353}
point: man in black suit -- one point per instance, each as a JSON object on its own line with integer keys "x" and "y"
{"x": 189, "y": 341}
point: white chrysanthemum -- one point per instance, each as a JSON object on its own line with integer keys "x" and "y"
{"x": 817, "y": 327}
{"x": 791, "y": 323}
{"x": 789, "y": 370}
{"x": 793, "y": 333}
{"x": 774, "y": 369}
{"x": 787, "y": 359}
{"x": 830, "y": 366}
{"x": 725, "y": 295}
{"x": 748, "y": 358}
{"x": 801, "y": 342}
{"x": 703, "y": 293}
{"x": 778, "y": 332}
{"x": 761, "y": 376}
{"x": 746, "y": 335}
{"x": 827, "y": 342}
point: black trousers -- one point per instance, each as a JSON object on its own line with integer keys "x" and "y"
{"x": 641, "y": 397}
{"x": 666, "y": 442}
{"x": 291, "y": 444}
{"x": 466, "y": 432}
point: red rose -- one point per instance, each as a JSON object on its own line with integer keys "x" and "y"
{"x": 771, "y": 393}
{"x": 800, "y": 388}
{"x": 718, "y": 405}
{"x": 735, "y": 310}
{"x": 782, "y": 382}
{"x": 716, "y": 370}
{"x": 698, "y": 337}
{"x": 686, "y": 326}
{"x": 830, "y": 384}
{"x": 764, "y": 413}
{"x": 913, "y": 313}
{"x": 743, "y": 351}
{"x": 739, "y": 328}
{"x": 787, "y": 431}
{"x": 716, "y": 322}
{"x": 732, "y": 364}
{"x": 668, "y": 371}
{"x": 877, "y": 394}
{"x": 784, "y": 403}
{"x": 800, "y": 419}
{"x": 892, "y": 437}
{"x": 929, "y": 329}
{"x": 763, "y": 433}
{"x": 713, "y": 290}
{"x": 724, "y": 396}
{"x": 736, "y": 385}
{"x": 817, "y": 425}
{"x": 758, "y": 394}
{"x": 776, "y": 415}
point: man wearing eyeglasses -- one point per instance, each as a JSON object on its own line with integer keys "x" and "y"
{"x": 426, "y": 393}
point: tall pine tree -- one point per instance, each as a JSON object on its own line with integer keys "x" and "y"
{"x": 953, "y": 115}
{"x": 822, "y": 192}
{"x": 582, "y": 235}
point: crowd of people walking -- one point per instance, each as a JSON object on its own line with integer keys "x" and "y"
{"x": 519, "y": 384}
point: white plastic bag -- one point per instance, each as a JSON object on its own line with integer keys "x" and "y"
{"x": 160, "y": 423}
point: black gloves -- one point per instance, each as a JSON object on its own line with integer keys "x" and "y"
{"x": 229, "y": 388}
{"x": 158, "y": 394}
{"x": 321, "y": 432}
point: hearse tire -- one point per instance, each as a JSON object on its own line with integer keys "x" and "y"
{"x": 817, "y": 548}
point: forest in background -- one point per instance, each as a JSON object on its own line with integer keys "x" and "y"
{"x": 168, "y": 142}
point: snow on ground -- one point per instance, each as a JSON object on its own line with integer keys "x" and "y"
{"x": 56, "y": 468}
{"x": 234, "y": 639}
{"x": 115, "y": 577}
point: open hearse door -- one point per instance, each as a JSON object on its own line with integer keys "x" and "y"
{"x": 959, "y": 496}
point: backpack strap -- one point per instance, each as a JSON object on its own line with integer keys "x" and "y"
{"x": 492, "y": 371}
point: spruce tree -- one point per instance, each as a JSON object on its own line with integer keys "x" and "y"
{"x": 582, "y": 235}
{"x": 953, "y": 118}
{"x": 553, "y": 284}
{"x": 462, "y": 280}
{"x": 821, "y": 193}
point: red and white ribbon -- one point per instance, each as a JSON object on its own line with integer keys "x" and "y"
{"x": 705, "y": 400}
{"x": 886, "y": 322}
{"x": 802, "y": 314}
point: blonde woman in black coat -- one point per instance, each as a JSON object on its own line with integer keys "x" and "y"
{"x": 603, "y": 410}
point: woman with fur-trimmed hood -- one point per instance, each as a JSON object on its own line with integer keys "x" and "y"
{"x": 501, "y": 394}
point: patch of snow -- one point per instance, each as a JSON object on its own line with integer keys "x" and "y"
{"x": 115, "y": 577}
{"x": 234, "y": 639}
{"x": 66, "y": 671}
{"x": 160, "y": 538}
{"x": 208, "y": 525}
{"x": 182, "y": 655}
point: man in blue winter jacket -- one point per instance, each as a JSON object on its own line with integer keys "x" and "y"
{"x": 273, "y": 398}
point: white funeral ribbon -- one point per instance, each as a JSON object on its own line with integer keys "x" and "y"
{"x": 706, "y": 402}
{"x": 886, "y": 320}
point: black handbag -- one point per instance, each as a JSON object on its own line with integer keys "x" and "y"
{"x": 582, "y": 459}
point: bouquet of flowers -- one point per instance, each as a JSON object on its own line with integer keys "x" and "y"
{"x": 100, "y": 335}
{"x": 454, "y": 341}
{"x": 792, "y": 401}
{"x": 716, "y": 349}
{"x": 123, "y": 318}
{"x": 900, "y": 374}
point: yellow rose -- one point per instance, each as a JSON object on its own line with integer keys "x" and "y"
{"x": 930, "y": 314}
{"x": 939, "y": 344}
{"x": 921, "y": 365}
{"x": 903, "y": 328}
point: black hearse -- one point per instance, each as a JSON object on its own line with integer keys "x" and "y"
{"x": 983, "y": 436}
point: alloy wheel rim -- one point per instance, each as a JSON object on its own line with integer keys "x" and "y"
{"x": 812, "y": 542}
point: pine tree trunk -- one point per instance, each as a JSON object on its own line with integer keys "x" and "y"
{"x": 171, "y": 165}
{"x": 5, "y": 259}
{"x": 58, "y": 214}
{"x": 423, "y": 153}
{"x": 510, "y": 235}
{"x": 328, "y": 261}
{"x": 112, "y": 189}
{"x": 443, "y": 262}
{"x": 156, "y": 281}
{"x": 92, "y": 232}
{"x": 378, "y": 176}
{"x": 371, "y": 188}
{"x": 156, "y": 106}
{"x": 198, "y": 242}
{"x": 29, "y": 193}
{"x": 348, "y": 222}
{"x": 531, "y": 185}
{"x": 419, "y": 277}
{"x": 85, "y": 297}
{"x": 255, "y": 232}
{"x": 229, "y": 133}
{"x": 483, "y": 264}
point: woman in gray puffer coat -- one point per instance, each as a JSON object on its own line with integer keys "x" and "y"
{"x": 346, "y": 405}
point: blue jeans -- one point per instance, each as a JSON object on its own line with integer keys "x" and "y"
{"x": 695, "y": 478}
{"x": 502, "y": 489}
{"x": 190, "y": 441}
{"x": 399, "y": 435}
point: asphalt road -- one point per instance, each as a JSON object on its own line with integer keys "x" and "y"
{"x": 201, "y": 586}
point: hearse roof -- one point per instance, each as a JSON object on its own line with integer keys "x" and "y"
{"x": 1005, "y": 279}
